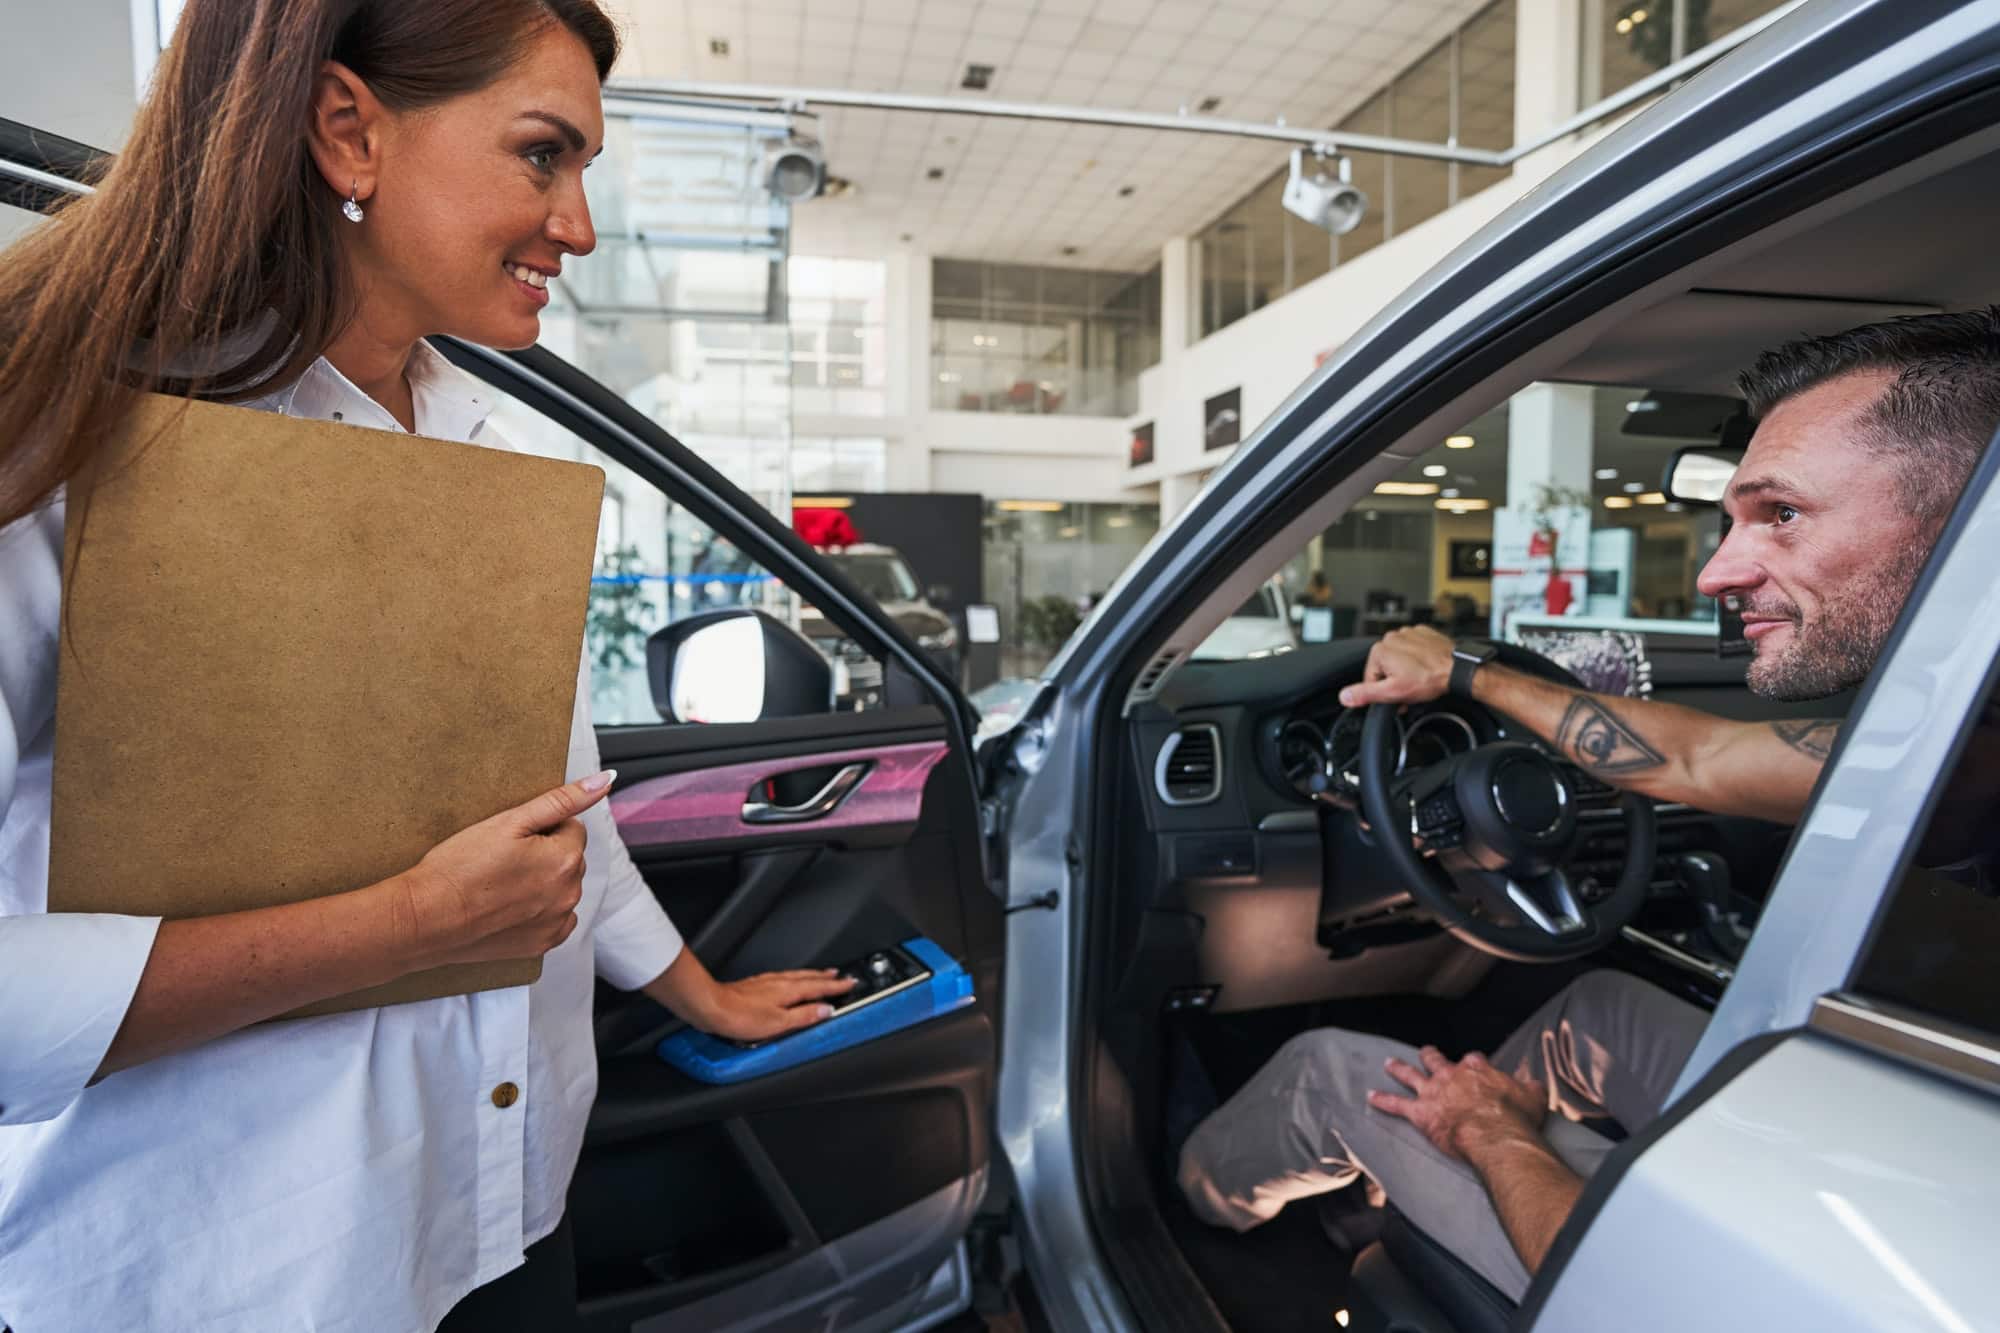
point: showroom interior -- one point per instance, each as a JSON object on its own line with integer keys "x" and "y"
{"x": 980, "y": 292}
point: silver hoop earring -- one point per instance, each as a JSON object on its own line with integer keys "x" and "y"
{"x": 351, "y": 210}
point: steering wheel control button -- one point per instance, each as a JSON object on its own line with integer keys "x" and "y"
{"x": 1529, "y": 795}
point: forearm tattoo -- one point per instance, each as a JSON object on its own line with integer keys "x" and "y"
{"x": 1811, "y": 737}
{"x": 1594, "y": 737}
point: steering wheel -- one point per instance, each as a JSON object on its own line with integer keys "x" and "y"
{"x": 1495, "y": 827}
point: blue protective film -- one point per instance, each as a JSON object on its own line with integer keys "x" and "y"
{"x": 714, "y": 1059}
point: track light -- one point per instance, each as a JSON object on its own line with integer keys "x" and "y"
{"x": 795, "y": 169}
{"x": 1325, "y": 201}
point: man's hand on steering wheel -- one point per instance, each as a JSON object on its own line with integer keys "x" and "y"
{"x": 1407, "y": 666}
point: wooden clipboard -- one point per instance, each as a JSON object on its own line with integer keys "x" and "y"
{"x": 296, "y": 655}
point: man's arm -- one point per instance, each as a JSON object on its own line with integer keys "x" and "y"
{"x": 1761, "y": 769}
{"x": 1491, "y": 1121}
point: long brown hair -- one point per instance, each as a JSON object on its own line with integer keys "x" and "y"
{"x": 214, "y": 224}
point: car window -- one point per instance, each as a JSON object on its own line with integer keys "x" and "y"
{"x": 657, "y": 563}
{"x": 1548, "y": 507}
{"x": 1934, "y": 948}
{"x": 883, "y": 577}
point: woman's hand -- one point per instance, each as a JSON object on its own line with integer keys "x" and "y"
{"x": 753, "y": 1009}
{"x": 507, "y": 887}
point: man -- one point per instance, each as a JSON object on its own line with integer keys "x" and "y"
{"x": 1866, "y": 439}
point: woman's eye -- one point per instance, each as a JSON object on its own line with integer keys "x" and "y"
{"x": 543, "y": 158}
{"x": 1786, "y": 513}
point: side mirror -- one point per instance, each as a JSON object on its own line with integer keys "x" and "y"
{"x": 1700, "y": 475}
{"x": 736, "y": 665}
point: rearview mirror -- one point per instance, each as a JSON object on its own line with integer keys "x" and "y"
{"x": 736, "y": 665}
{"x": 1700, "y": 475}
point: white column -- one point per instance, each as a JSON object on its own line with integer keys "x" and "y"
{"x": 1176, "y": 492}
{"x": 908, "y": 376}
{"x": 1548, "y": 37}
{"x": 1177, "y": 258}
{"x": 1548, "y": 441}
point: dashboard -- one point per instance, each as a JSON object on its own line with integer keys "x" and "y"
{"x": 1315, "y": 748}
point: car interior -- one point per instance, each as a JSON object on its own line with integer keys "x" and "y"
{"x": 1251, "y": 901}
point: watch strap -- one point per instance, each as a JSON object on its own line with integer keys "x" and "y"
{"x": 1465, "y": 663}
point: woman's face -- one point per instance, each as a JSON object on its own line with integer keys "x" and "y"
{"x": 479, "y": 199}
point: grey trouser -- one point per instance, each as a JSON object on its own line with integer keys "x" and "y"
{"x": 1608, "y": 1045}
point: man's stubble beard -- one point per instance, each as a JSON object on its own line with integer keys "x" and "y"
{"x": 1838, "y": 649}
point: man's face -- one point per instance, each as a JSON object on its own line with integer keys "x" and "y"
{"x": 1823, "y": 550}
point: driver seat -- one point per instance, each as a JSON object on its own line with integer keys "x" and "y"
{"x": 1412, "y": 1284}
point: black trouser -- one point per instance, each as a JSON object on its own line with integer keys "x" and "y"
{"x": 537, "y": 1297}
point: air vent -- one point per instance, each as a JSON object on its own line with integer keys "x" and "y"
{"x": 1189, "y": 771}
{"x": 1155, "y": 672}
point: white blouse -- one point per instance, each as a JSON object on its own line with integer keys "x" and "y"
{"x": 351, "y": 1171}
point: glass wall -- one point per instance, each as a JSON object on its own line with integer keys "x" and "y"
{"x": 1016, "y": 338}
{"x": 1047, "y": 563}
{"x": 1625, "y": 40}
{"x": 838, "y": 310}
{"x": 1461, "y": 91}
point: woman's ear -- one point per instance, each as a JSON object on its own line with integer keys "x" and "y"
{"x": 344, "y": 131}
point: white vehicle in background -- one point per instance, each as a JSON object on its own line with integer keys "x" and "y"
{"x": 1261, "y": 627}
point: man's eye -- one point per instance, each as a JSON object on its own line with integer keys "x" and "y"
{"x": 1786, "y": 513}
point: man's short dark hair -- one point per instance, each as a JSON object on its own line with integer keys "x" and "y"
{"x": 1935, "y": 418}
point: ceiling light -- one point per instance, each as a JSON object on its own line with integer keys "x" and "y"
{"x": 1118, "y": 521}
{"x": 1624, "y": 26}
{"x": 1407, "y": 488}
{"x": 1436, "y": 470}
{"x": 1652, "y": 498}
{"x": 1607, "y": 474}
{"x": 1030, "y": 506}
{"x": 795, "y": 169}
{"x": 1638, "y": 16}
{"x": 1464, "y": 506}
{"x": 1459, "y": 442}
{"x": 718, "y": 46}
{"x": 1617, "y": 502}
{"x": 1634, "y": 487}
{"x": 1069, "y": 531}
{"x": 1125, "y": 191}
{"x": 1449, "y": 492}
{"x": 822, "y": 502}
{"x": 1208, "y": 104}
{"x": 977, "y": 77}
{"x": 934, "y": 174}
{"x": 1371, "y": 514}
{"x": 1642, "y": 405}
{"x": 1330, "y": 202}
{"x": 1675, "y": 507}
{"x": 1068, "y": 251}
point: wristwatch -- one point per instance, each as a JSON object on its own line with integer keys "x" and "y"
{"x": 1467, "y": 656}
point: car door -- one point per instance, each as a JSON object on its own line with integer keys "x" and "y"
{"x": 835, "y": 1191}
{"x": 1826, "y": 1159}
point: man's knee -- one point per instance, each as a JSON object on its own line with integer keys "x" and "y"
{"x": 1607, "y": 990}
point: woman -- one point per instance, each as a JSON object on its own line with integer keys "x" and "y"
{"x": 313, "y": 187}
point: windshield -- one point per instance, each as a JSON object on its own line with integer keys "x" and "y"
{"x": 884, "y": 577}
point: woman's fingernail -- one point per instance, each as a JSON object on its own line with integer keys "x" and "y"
{"x": 599, "y": 781}
{"x": 826, "y": 1011}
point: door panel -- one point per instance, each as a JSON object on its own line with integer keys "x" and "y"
{"x": 698, "y": 1203}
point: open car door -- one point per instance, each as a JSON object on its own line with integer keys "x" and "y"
{"x": 817, "y": 1180}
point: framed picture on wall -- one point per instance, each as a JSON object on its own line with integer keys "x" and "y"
{"x": 1222, "y": 419}
{"x": 1142, "y": 444}
{"x": 1471, "y": 560}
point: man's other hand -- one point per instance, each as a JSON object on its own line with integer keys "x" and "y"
{"x": 1408, "y": 666}
{"x": 1457, "y": 1103}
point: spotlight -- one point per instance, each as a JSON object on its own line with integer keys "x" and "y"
{"x": 1323, "y": 200}
{"x": 795, "y": 169}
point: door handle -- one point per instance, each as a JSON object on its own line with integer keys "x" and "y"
{"x": 817, "y": 806}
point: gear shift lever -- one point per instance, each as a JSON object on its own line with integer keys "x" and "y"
{"x": 1705, "y": 877}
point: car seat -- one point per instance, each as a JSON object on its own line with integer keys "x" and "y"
{"x": 1408, "y": 1283}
